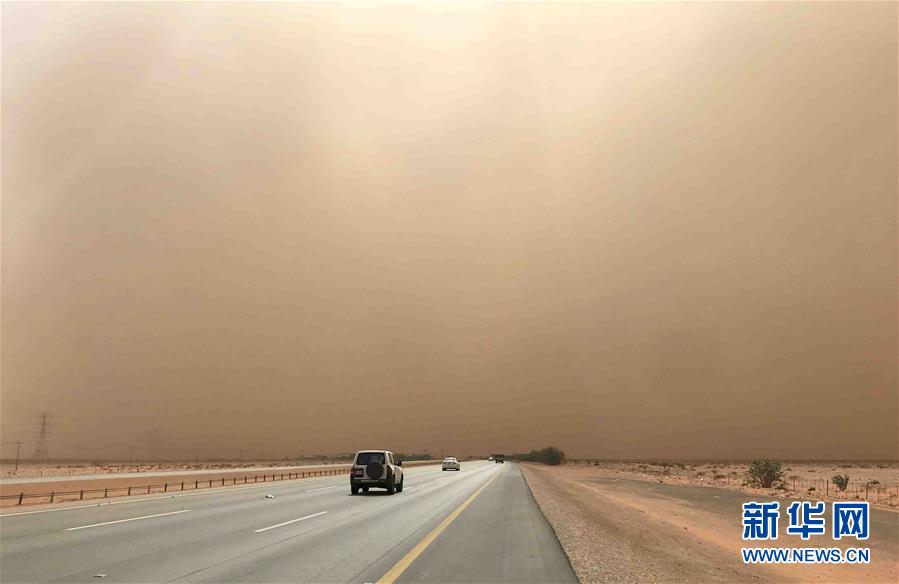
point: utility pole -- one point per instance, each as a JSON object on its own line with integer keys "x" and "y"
{"x": 131, "y": 454}
{"x": 40, "y": 448}
{"x": 18, "y": 444}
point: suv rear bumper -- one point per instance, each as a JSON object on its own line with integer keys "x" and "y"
{"x": 371, "y": 482}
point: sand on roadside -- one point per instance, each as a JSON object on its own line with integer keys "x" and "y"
{"x": 110, "y": 485}
{"x": 32, "y": 469}
{"x": 874, "y": 481}
{"x": 624, "y": 530}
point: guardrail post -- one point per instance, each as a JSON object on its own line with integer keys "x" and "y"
{"x": 196, "y": 485}
{"x": 81, "y": 496}
{"x": 105, "y": 492}
{"x": 21, "y": 496}
{"x": 148, "y": 488}
{"x": 223, "y": 481}
{"x": 182, "y": 485}
{"x": 51, "y": 497}
{"x": 129, "y": 491}
{"x": 165, "y": 489}
{"x": 210, "y": 483}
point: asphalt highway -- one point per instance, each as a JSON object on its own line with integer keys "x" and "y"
{"x": 477, "y": 525}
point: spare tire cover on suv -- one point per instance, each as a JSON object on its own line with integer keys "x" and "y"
{"x": 374, "y": 470}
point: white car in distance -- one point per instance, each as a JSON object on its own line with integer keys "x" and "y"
{"x": 450, "y": 463}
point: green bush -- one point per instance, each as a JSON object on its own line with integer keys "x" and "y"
{"x": 841, "y": 481}
{"x": 764, "y": 473}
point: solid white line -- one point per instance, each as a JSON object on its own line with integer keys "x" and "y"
{"x": 126, "y": 520}
{"x": 289, "y": 522}
{"x": 324, "y": 488}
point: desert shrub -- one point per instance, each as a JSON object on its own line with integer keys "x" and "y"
{"x": 873, "y": 482}
{"x": 764, "y": 473}
{"x": 719, "y": 476}
{"x": 841, "y": 481}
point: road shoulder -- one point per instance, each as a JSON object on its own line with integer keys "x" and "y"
{"x": 608, "y": 540}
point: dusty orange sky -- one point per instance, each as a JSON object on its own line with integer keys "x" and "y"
{"x": 629, "y": 230}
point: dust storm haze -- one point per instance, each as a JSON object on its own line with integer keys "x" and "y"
{"x": 631, "y": 230}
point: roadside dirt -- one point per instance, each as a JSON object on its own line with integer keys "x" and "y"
{"x": 620, "y": 530}
{"x": 103, "y": 486}
{"x": 31, "y": 469}
{"x": 874, "y": 481}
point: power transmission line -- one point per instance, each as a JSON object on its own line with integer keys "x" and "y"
{"x": 41, "y": 452}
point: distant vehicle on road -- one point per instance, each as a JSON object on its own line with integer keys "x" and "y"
{"x": 376, "y": 468}
{"x": 499, "y": 458}
{"x": 450, "y": 463}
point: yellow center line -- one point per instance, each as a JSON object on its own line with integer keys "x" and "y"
{"x": 391, "y": 576}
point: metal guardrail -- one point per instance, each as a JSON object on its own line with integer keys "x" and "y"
{"x": 178, "y": 486}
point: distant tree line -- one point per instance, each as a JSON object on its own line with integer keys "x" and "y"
{"x": 403, "y": 456}
{"x": 396, "y": 455}
{"x": 549, "y": 455}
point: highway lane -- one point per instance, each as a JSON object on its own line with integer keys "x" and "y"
{"x": 311, "y": 531}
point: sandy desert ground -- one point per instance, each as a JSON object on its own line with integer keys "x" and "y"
{"x": 99, "y": 486}
{"x": 28, "y": 469}
{"x": 874, "y": 481}
{"x": 618, "y": 528}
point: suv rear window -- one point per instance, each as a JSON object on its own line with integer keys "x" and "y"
{"x": 366, "y": 457}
